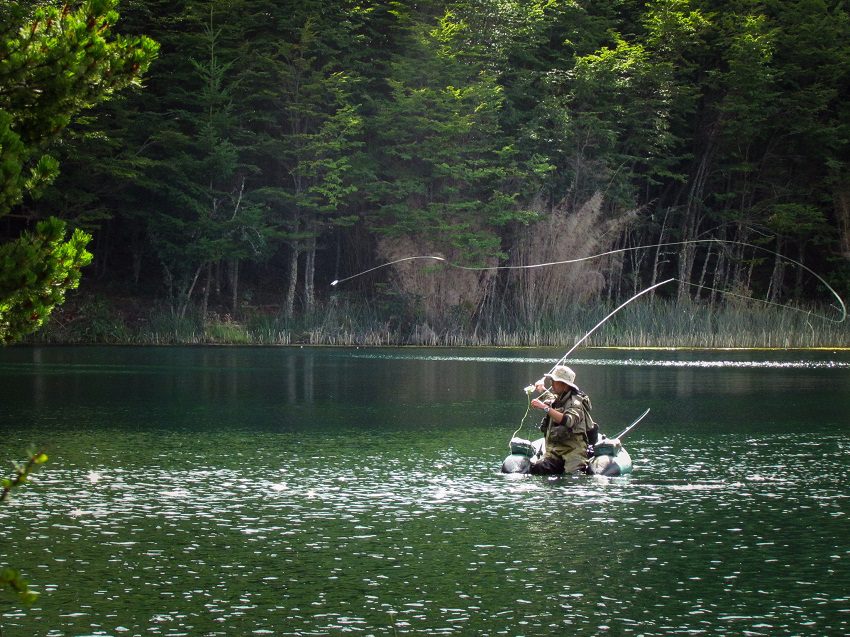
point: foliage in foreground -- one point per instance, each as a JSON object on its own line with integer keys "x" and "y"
{"x": 54, "y": 63}
{"x": 10, "y": 579}
{"x": 35, "y": 273}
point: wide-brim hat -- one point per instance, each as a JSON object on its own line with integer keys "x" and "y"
{"x": 563, "y": 374}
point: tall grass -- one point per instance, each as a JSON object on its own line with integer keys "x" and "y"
{"x": 355, "y": 323}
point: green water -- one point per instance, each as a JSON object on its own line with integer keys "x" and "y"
{"x": 268, "y": 491}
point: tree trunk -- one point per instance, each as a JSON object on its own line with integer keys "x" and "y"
{"x": 735, "y": 280}
{"x": 187, "y": 297}
{"x": 615, "y": 278}
{"x": 842, "y": 214}
{"x": 206, "y": 302}
{"x": 234, "y": 284}
{"x": 102, "y": 253}
{"x": 137, "y": 264}
{"x": 774, "y": 288}
{"x": 798, "y": 284}
{"x": 693, "y": 209}
{"x": 750, "y": 270}
{"x": 310, "y": 277}
{"x": 338, "y": 253}
{"x": 704, "y": 272}
{"x": 289, "y": 304}
{"x": 657, "y": 262}
{"x": 169, "y": 284}
{"x": 719, "y": 270}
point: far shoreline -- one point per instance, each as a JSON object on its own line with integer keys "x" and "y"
{"x": 635, "y": 348}
{"x": 655, "y": 326}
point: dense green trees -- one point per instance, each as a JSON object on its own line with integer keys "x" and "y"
{"x": 305, "y": 127}
{"x": 280, "y": 145}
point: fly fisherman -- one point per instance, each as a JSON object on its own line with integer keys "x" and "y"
{"x": 566, "y": 423}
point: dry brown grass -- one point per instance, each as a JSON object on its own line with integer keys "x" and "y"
{"x": 448, "y": 297}
{"x": 440, "y": 290}
{"x": 564, "y": 234}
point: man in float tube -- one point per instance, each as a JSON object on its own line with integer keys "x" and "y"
{"x": 566, "y": 424}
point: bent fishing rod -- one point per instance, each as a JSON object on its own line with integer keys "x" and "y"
{"x": 530, "y": 388}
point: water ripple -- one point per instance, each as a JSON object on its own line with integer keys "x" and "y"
{"x": 384, "y": 523}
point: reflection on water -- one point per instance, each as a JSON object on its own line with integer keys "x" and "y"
{"x": 620, "y": 362}
{"x": 227, "y": 495}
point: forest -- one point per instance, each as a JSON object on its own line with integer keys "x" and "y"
{"x": 242, "y": 155}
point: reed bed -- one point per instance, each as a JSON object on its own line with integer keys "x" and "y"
{"x": 349, "y": 324}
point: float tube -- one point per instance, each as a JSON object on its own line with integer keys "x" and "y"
{"x": 608, "y": 457}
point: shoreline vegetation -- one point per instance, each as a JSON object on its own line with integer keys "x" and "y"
{"x": 652, "y": 324}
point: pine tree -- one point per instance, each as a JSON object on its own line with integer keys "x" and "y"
{"x": 54, "y": 63}
{"x": 209, "y": 216}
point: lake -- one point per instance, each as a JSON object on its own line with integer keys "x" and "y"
{"x": 296, "y": 491}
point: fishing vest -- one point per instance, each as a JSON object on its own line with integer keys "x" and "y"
{"x": 571, "y": 436}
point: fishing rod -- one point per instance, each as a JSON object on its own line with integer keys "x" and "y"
{"x": 602, "y": 322}
{"x": 633, "y": 425}
{"x": 530, "y": 388}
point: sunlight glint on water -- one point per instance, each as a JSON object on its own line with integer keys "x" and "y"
{"x": 285, "y": 492}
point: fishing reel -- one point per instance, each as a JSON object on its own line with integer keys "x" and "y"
{"x": 533, "y": 387}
